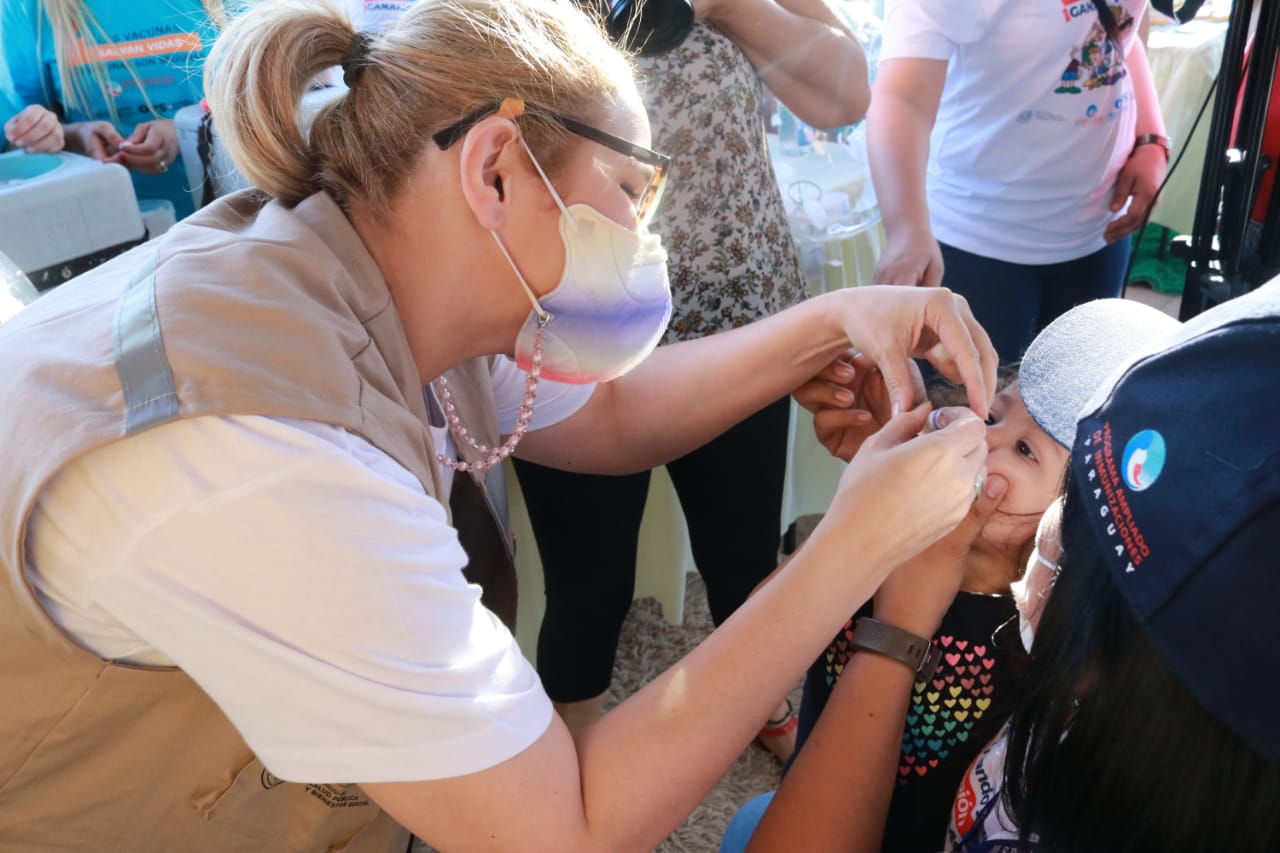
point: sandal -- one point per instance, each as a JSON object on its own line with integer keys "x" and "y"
{"x": 779, "y": 735}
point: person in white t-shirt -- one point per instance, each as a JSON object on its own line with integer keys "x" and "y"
{"x": 482, "y": 189}
{"x": 1014, "y": 147}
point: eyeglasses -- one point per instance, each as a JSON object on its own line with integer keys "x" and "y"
{"x": 658, "y": 165}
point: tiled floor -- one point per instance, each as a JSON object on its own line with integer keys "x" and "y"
{"x": 1166, "y": 302}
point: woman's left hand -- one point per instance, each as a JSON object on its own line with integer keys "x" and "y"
{"x": 1136, "y": 184}
{"x": 151, "y": 148}
{"x": 35, "y": 129}
{"x": 891, "y": 325}
{"x": 850, "y": 402}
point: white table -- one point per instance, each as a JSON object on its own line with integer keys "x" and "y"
{"x": 841, "y": 254}
{"x": 1184, "y": 63}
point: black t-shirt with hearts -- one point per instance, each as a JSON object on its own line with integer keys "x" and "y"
{"x": 950, "y": 719}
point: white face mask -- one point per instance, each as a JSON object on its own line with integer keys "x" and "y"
{"x": 1036, "y": 584}
{"x": 1031, "y": 592}
{"x": 1026, "y": 632}
{"x": 612, "y": 303}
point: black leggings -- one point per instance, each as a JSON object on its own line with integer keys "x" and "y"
{"x": 587, "y": 527}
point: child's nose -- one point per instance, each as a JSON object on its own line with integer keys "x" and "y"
{"x": 998, "y": 439}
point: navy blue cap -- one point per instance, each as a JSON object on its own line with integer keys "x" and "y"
{"x": 1078, "y": 353}
{"x": 1178, "y": 462}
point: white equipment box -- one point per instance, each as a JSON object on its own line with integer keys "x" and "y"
{"x": 62, "y": 213}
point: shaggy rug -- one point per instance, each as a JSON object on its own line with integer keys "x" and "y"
{"x": 648, "y": 646}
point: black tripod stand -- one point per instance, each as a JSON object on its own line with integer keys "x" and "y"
{"x": 1229, "y": 252}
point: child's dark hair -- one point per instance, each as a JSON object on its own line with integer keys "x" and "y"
{"x": 942, "y": 392}
{"x": 1108, "y": 750}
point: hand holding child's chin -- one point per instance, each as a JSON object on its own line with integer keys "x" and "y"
{"x": 917, "y": 593}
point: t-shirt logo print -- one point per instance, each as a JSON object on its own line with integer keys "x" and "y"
{"x": 945, "y": 709}
{"x": 1098, "y": 62}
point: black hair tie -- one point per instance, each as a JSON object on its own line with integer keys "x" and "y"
{"x": 356, "y": 58}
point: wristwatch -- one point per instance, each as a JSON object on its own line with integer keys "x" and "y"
{"x": 916, "y": 652}
{"x": 1151, "y": 139}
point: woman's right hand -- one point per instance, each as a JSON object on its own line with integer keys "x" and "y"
{"x": 904, "y": 491}
{"x": 35, "y": 129}
{"x": 911, "y": 257}
{"x": 97, "y": 139}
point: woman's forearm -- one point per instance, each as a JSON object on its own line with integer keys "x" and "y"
{"x": 626, "y": 782}
{"x": 805, "y": 54}
{"x": 663, "y": 719}
{"x": 899, "y": 124}
{"x": 687, "y": 393}
{"x": 898, "y": 151}
{"x": 837, "y": 792}
{"x": 683, "y": 716}
{"x": 1150, "y": 118}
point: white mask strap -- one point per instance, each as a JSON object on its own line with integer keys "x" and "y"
{"x": 544, "y": 316}
{"x": 555, "y": 195}
{"x": 1046, "y": 562}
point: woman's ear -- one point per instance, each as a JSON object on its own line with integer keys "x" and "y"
{"x": 489, "y": 161}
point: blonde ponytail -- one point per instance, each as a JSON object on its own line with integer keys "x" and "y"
{"x": 255, "y": 78}
{"x": 439, "y": 61}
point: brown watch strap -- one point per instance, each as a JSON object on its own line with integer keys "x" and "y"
{"x": 919, "y": 654}
{"x": 1152, "y": 139}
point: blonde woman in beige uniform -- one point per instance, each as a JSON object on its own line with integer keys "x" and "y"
{"x": 234, "y": 613}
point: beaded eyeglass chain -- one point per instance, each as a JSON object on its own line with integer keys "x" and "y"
{"x": 493, "y": 455}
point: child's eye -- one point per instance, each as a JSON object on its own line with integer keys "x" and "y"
{"x": 1025, "y": 450}
{"x": 991, "y": 419}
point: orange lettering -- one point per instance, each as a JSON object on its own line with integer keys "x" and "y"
{"x": 158, "y": 46}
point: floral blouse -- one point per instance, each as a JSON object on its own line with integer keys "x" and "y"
{"x": 731, "y": 256}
